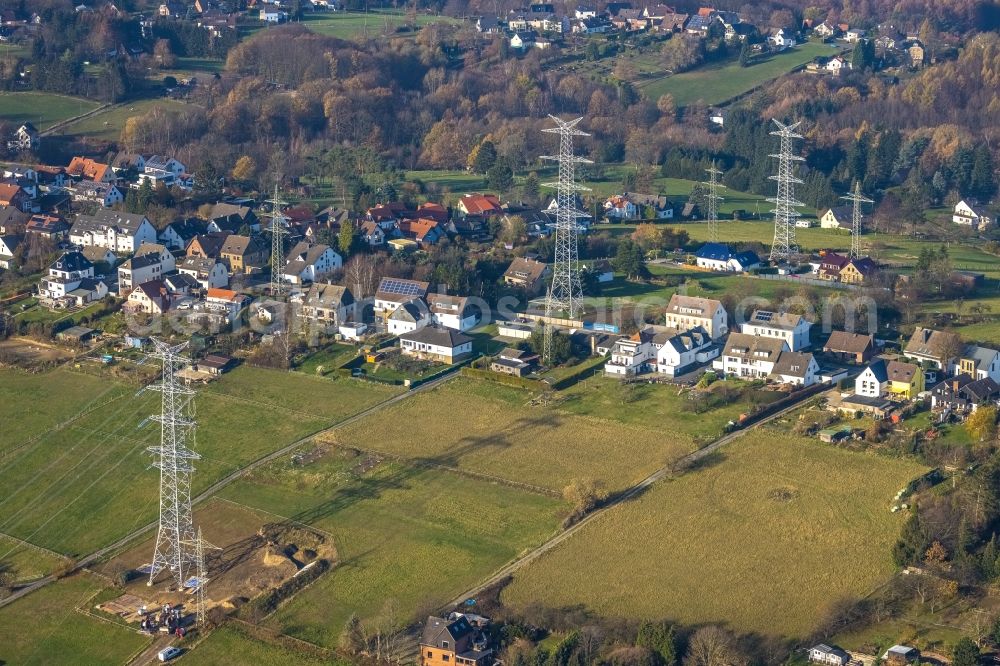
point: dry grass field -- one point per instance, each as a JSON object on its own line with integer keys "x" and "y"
{"x": 491, "y": 429}
{"x": 763, "y": 538}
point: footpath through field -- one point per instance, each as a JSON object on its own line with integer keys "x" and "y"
{"x": 97, "y": 555}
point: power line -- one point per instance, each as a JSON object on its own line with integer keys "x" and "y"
{"x": 278, "y": 232}
{"x": 566, "y": 291}
{"x": 786, "y": 205}
{"x": 713, "y": 202}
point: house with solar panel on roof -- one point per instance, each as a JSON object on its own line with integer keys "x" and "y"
{"x": 719, "y": 257}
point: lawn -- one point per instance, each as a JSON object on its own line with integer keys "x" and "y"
{"x": 760, "y": 539}
{"x": 44, "y": 628}
{"x": 107, "y": 125}
{"x": 365, "y": 25}
{"x": 450, "y": 181}
{"x": 719, "y": 83}
{"x": 417, "y": 537}
{"x": 231, "y": 644}
{"x": 41, "y": 109}
{"x": 491, "y": 429}
{"x": 80, "y": 487}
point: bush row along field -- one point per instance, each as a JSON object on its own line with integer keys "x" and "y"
{"x": 415, "y": 536}
{"x": 485, "y": 428}
{"x": 78, "y": 488}
{"x": 43, "y": 628}
{"x": 761, "y": 538}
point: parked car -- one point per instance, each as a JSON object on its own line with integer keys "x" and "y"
{"x": 168, "y": 653}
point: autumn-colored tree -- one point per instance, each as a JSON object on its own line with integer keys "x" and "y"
{"x": 936, "y": 555}
{"x": 982, "y": 423}
{"x": 245, "y": 169}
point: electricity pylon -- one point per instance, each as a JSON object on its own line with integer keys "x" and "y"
{"x": 566, "y": 291}
{"x": 857, "y": 199}
{"x": 199, "y": 546}
{"x": 175, "y": 462}
{"x": 278, "y": 232}
{"x": 713, "y": 202}
{"x": 786, "y": 205}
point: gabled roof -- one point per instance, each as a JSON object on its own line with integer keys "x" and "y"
{"x": 95, "y": 253}
{"x": 981, "y": 390}
{"x": 412, "y": 311}
{"x": 9, "y": 190}
{"x": 71, "y": 262}
{"x": 793, "y": 364}
{"x": 399, "y": 290}
{"x": 307, "y": 253}
{"x": 46, "y": 223}
{"x": 84, "y": 167}
{"x": 242, "y": 245}
{"x": 102, "y": 220}
{"x": 328, "y": 295}
{"x": 526, "y": 270}
{"x": 180, "y": 282}
{"x": 930, "y": 343}
{"x": 222, "y": 294}
{"x": 693, "y": 305}
{"x": 777, "y": 320}
{"x": 752, "y": 347}
{"x": 445, "y": 304}
{"x": 154, "y": 290}
{"x": 901, "y": 372}
{"x": 200, "y": 265}
{"x": 981, "y": 356}
{"x": 863, "y": 265}
{"x": 849, "y": 343}
{"x": 440, "y": 337}
{"x": 150, "y": 248}
{"x": 211, "y": 243}
{"x": 481, "y": 203}
{"x": 842, "y": 213}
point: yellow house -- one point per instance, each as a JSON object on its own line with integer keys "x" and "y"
{"x": 856, "y": 271}
{"x": 905, "y": 380}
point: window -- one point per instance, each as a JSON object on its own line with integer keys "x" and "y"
{"x": 430, "y": 655}
{"x": 445, "y": 657}
{"x": 444, "y": 644}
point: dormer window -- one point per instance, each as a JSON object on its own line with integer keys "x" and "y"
{"x": 444, "y": 644}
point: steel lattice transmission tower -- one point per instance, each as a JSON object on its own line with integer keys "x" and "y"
{"x": 713, "y": 199}
{"x": 278, "y": 232}
{"x": 175, "y": 462}
{"x": 786, "y": 205}
{"x": 199, "y": 546}
{"x": 566, "y": 291}
{"x": 857, "y": 199}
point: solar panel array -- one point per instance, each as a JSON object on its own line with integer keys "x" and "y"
{"x": 763, "y": 315}
{"x": 401, "y": 287}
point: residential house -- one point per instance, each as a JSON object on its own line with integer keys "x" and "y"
{"x": 128, "y": 162}
{"x": 750, "y": 356}
{"x": 978, "y": 362}
{"x": 14, "y": 196}
{"x": 678, "y": 353}
{"x": 838, "y": 217}
{"x": 719, "y": 257}
{"x": 489, "y": 25}
{"x": 372, "y": 233}
{"x": 71, "y": 282}
{"x": 823, "y": 654}
{"x": 858, "y": 270}
{"x": 105, "y": 194}
{"x": 782, "y": 38}
{"x": 963, "y": 395}
{"x": 901, "y": 655}
{"x": 26, "y": 137}
{"x": 244, "y": 254}
{"x": 835, "y": 66}
{"x": 309, "y": 261}
{"x": 916, "y": 53}
{"x": 207, "y": 246}
{"x": 485, "y": 205}
{"x": 795, "y": 369}
{"x": 231, "y": 217}
{"x": 830, "y": 266}
{"x": 48, "y": 225}
{"x": 934, "y": 349}
{"x": 210, "y": 273}
{"x": 972, "y": 215}
{"x": 440, "y": 344}
{"x": 854, "y": 35}
{"x": 225, "y": 302}
{"x": 530, "y": 275}
{"x": 451, "y": 312}
{"x": 687, "y": 312}
{"x": 177, "y": 235}
{"x": 122, "y": 233}
{"x": 585, "y": 11}
{"x": 632, "y": 355}
{"x": 850, "y": 347}
{"x": 422, "y": 230}
{"x": 633, "y": 206}
{"x": 150, "y": 297}
{"x": 328, "y": 305}
{"x": 511, "y": 361}
{"x": 13, "y": 220}
{"x": 892, "y": 379}
{"x": 792, "y": 328}
{"x": 393, "y": 292}
{"x": 409, "y": 317}
{"x": 156, "y": 163}
{"x": 826, "y": 30}
{"x": 84, "y": 168}
{"x": 386, "y": 216}
{"x": 144, "y": 267}
{"x": 452, "y": 642}
{"x": 10, "y": 244}
{"x": 272, "y": 14}
{"x": 102, "y": 258}
{"x": 181, "y": 284}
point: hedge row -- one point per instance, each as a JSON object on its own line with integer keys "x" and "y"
{"x": 260, "y": 607}
{"x": 508, "y": 380}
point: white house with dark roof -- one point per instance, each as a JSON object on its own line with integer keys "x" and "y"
{"x": 452, "y": 312}
{"x": 409, "y": 317}
{"x": 71, "y": 282}
{"x": 632, "y": 355}
{"x": 308, "y": 261}
{"x": 795, "y": 369}
{"x": 210, "y": 273}
{"x": 121, "y": 233}
{"x": 439, "y": 344}
{"x": 792, "y": 328}
{"x": 749, "y": 356}
{"x": 978, "y": 362}
{"x": 677, "y": 353}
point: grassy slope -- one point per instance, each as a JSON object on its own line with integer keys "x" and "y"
{"x": 488, "y": 428}
{"x": 42, "y": 109}
{"x": 716, "y": 545}
{"x": 107, "y": 125}
{"x": 719, "y": 83}
{"x": 79, "y": 488}
{"x": 58, "y": 634}
{"x": 230, "y": 645}
{"x": 415, "y": 536}
{"x": 372, "y": 25}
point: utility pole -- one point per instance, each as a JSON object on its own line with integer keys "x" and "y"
{"x": 175, "y": 462}
{"x": 786, "y": 205}
{"x": 566, "y": 291}
{"x": 713, "y": 202}
{"x": 857, "y": 199}
{"x": 278, "y": 232}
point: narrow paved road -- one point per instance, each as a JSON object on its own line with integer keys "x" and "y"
{"x": 225, "y": 481}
